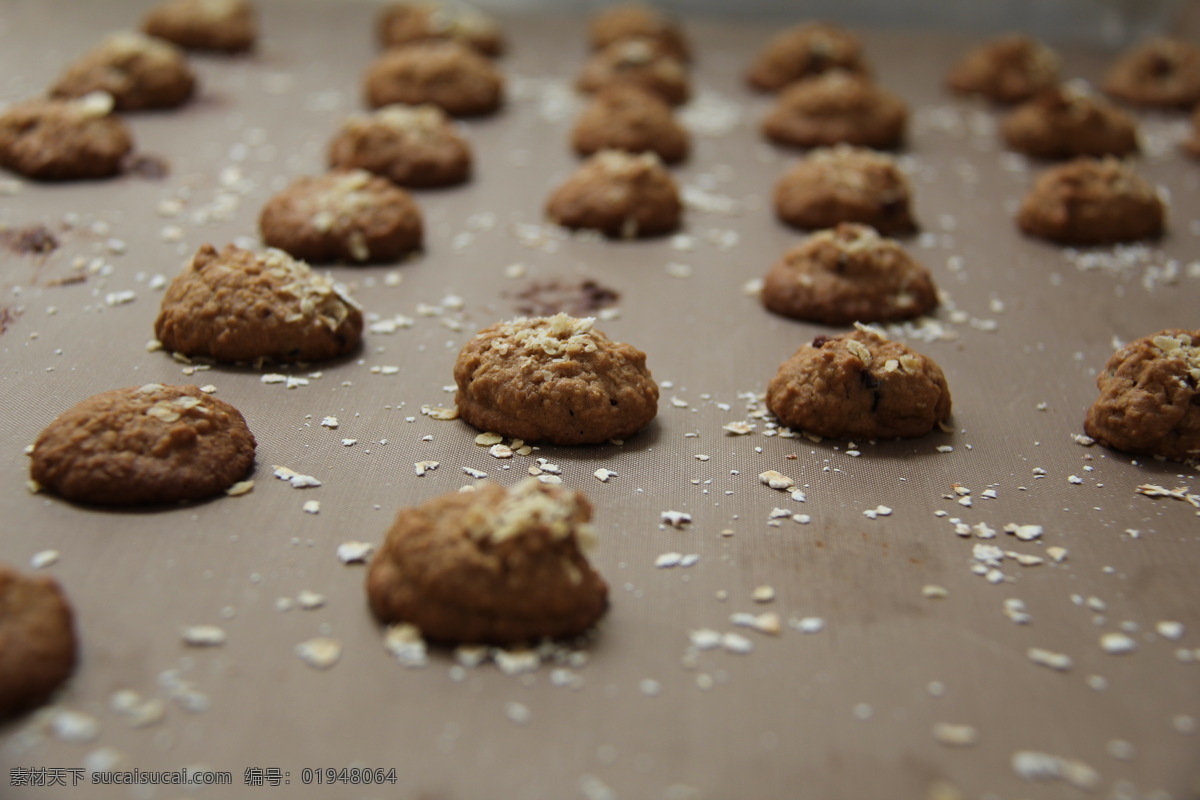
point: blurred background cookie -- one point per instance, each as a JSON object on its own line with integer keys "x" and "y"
{"x": 413, "y": 146}
{"x": 804, "y": 51}
{"x": 637, "y": 61}
{"x": 626, "y": 117}
{"x": 58, "y": 140}
{"x": 1092, "y": 201}
{"x": 229, "y": 26}
{"x": 836, "y": 107}
{"x": 1159, "y": 73}
{"x": 1006, "y": 69}
{"x": 637, "y": 20}
{"x": 1063, "y": 123}
{"x": 38, "y": 649}
{"x": 845, "y": 184}
{"x": 619, "y": 194}
{"x": 442, "y": 72}
{"x": 140, "y": 72}
{"x": 403, "y": 23}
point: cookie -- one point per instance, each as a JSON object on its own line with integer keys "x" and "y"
{"x": 228, "y": 26}
{"x": 554, "y": 379}
{"x": 635, "y": 20}
{"x": 241, "y": 305}
{"x": 59, "y": 140}
{"x": 859, "y": 386}
{"x": 490, "y": 566}
{"x": 404, "y": 23}
{"x": 1191, "y": 146}
{"x": 347, "y": 215}
{"x": 626, "y": 117}
{"x": 1149, "y": 400}
{"x": 1092, "y": 201}
{"x": 413, "y": 146}
{"x": 140, "y": 72}
{"x": 1065, "y": 123}
{"x": 442, "y": 72}
{"x": 849, "y": 274}
{"x": 37, "y": 640}
{"x": 1007, "y": 69}
{"x": 619, "y": 194}
{"x": 845, "y": 184}
{"x": 836, "y": 107}
{"x": 640, "y": 62}
{"x": 145, "y": 445}
{"x": 805, "y": 51}
{"x": 1158, "y": 73}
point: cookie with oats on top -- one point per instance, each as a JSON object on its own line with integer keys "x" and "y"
{"x": 838, "y": 184}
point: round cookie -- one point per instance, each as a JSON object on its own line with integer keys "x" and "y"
{"x": 1092, "y": 201}
{"x": 58, "y": 140}
{"x": 346, "y": 215}
{"x": 38, "y": 649}
{"x": 1007, "y": 69}
{"x": 145, "y": 445}
{"x": 228, "y": 26}
{"x": 1149, "y": 400}
{"x": 836, "y": 107}
{"x": 845, "y": 184}
{"x": 849, "y": 274}
{"x": 413, "y": 146}
{"x": 805, "y": 51}
{"x": 1158, "y": 73}
{"x": 639, "y": 62}
{"x": 442, "y": 72}
{"x": 239, "y": 305}
{"x": 619, "y": 194}
{"x": 1064, "y": 123}
{"x": 140, "y": 72}
{"x": 554, "y": 379}
{"x": 1191, "y": 146}
{"x": 636, "y": 20}
{"x": 490, "y": 566}
{"x": 859, "y": 386}
{"x": 404, "y": 23}
{"x": 625, "y": 117}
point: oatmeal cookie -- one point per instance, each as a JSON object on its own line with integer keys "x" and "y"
{"x": 1191, "y": 146}
{"x": 58, "y": 140}
{"x": 345, "y": 215}
{"x": 228, "y": 26}
{"x": 635, "y": 20}
{"x": 554, "y": 379}
{"x": 37, "y": 640}
{"x": 1007, "y": 69}
{"x": 239, "y": 305}
{"x": 140, "y": 72}
{"x": 845, "y": 184}
{"x": 413, "y": 146}
{"x": 1065, "y": 123}
{"x": 1149, "y": 400}
{"x": 442, "y": 72}
{"x": 805, "y": 51}
{"x": 144, "y": 445}
{"x": 836, "y": 107}
{"x": 404, "y": 23}
{"x": 625, "y": 117}
{"x": 1092, "y": 201}
{"x": 639, "y": 62}
{"x": 491, "y": 566}
{"x": 620, "y": 194}
{"x": 859, "y": 386}
{"x": 849, "y": 274}
{"x": 1158, "y": 73}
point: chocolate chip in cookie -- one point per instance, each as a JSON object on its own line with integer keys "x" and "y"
{"x": 442, "y": 72}
{"x": 227, "y": 26}
{"x": 805, "y": 51}
{"x": 1007, "y": 69}
{"x": 1065, "y": 122}
{"x": 60, "y": 140}
{"x": 1092, "y": 201}
{"x": 620, "y": 195}
{"x": 404, "y": 23}
{"x": 626, "y": 117}
{"x": 1157, "y": 73}
{"x": 140, "y": 72}
{"x": 413, "y": 146}
{"x": 845, "y": 184}
{"x": 640, "y": 62}
{"x": 836, "y": 107}
{"x": 38, "y": 647}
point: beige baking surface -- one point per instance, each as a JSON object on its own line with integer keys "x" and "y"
{"x": 846, "y": 712}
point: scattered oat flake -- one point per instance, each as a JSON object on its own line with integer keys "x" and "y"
{"x": 604, "y": 475}
{"x": 329, "y": 422}
{"x": 955, "y": 735}
{"x": 273, "y": 377}
{"x": 518, "y": 713}
{"x": 1170, "y": 630}
{"x": 321, "y": 652}
{"x": 1047, "y": 658}
{"x": 477, "y": 474}
{"x": 808, "y": 624}
{"x": 679, "y": 403}
{"x": 310, "y": 601}
{"x": 404, "y": 641}
{"x": 517, "y": 660}
{"x": 440, "y": 413}
{"x": 43, "y": 559}
{"x": 934, "y": 592}
{"x": 297, "y": 480}
{"x": 240, "y": 488}
{"x": 878, "y": 511}
{"x": 740, "y": 428}
{"x": 354, "y": 552}
{"x": 776, "y": 480}
{"x": 763, "y": 594}
{"x": 312, "y": 506}
{"x": 1035, "y": 766}
{"x": 422, "y": 467}
{"x": 705, "y": 639}
{"x": 736, "y": 643}
{"x": 488, "y": 439}
{"x": 1116, "y": 643}
{"x": 667, "y": 560}
{"x": 1026, "y": 533}
{"x": 676, "y": 519}
{"x": 74, "y": 727}
{"x": 203, "y": 636}
{"x": 767, "y": 622}
{"x": 1058, "y": 554}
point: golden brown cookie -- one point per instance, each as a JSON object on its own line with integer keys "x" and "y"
{"x": 636, "y": 20}
{"x": 625, "y": 117}
{"x": 849, "y": 274}
{"x": 1065, "y": 123}
{"x": 442, "y": 72}
{"x": 619, "y": 194}
{"x": 1158, "y": 73}
{"x": 1191, "y": 146}
{"x": 859, "y": 386}
{"x": 229, "y": 26}
{"x": 241, "y": 305}
{"x": 59, "y": 140}
{"x": 805, "y": 51}
{"x": 836, "y": 107}
{"x": 1149, "y": 399}
{"x": 140, "y": 72}
{"x": 490, "y": 566}
{"x": 845, "y": 184}
{"x": 1092, "y": 201}
{"x": 640, "y": 62}
{"x": 554, "y": 379}
{"x": 346, "y": 215}
{"x": 1007, "y": 69}
{"x": 145, "y": 445}
{"x": 37, "y": 640}
{"x": 413, "y": 146}
{"x": 404, "y": 23}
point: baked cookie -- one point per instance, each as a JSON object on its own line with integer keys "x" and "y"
{"x": 636, "y": 20}
{"x": 228, "y": 26}
{"x": 1092, "y": 201}
{"x": 404, "y": 23}
{"x": 805, "y": 51}
{"x": 345, "y": 215}
{"x": 442, "y": 72}
{"x": 59, "y": 140}
{"x": 239, "y": 305}
{"x": 626, "y": 117}
{"x": 490, "y": 566}
{"x": 140, "y": 72}
{"x": 845, "y": 184}
{"x": 1149, "y": 399}
{"x": 1065, "y": 123}
{"x": 1191, "y": 146}
{"x": 413, "y": 146}
{"x": 1007, "y": 69}
{"x": 859, "y": 386}
{"x": 554, "y": 379}
{"x": 1159, "y": 73}
{"x": 37, "y": 640}
{"x": 849, "y": 274}
{"x": 144, "y": 445}
{"x": 619, "y": 194}
{"x": 640, "y": 62}
{"x": 836, "y": 107}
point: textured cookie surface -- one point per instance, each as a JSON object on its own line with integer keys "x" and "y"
{"x": 1007, "y": 69}
{"x": 636, "y": 20}
{"x": 836, "y": 107}
{"x": 618, "y": 194}
{"x": 625, "y": 117}
{"x": 140, "y": 72}
{"x": 37, "y": 640}
{"x": 845, "y": 184}
{"x": 640, "y": 62}
{"x": 404, "y": 23}
{"x": 442, "y": 72}
{"x": 1064, "y": 123}
{"x": 1160, "y": 72}
{"x": 414, "y": 146}
{"x": 229, "y": 26}
{"x": 805, "y": 51}
{"x": 1092, "y": 201}
{"x": 64, "y": 139}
